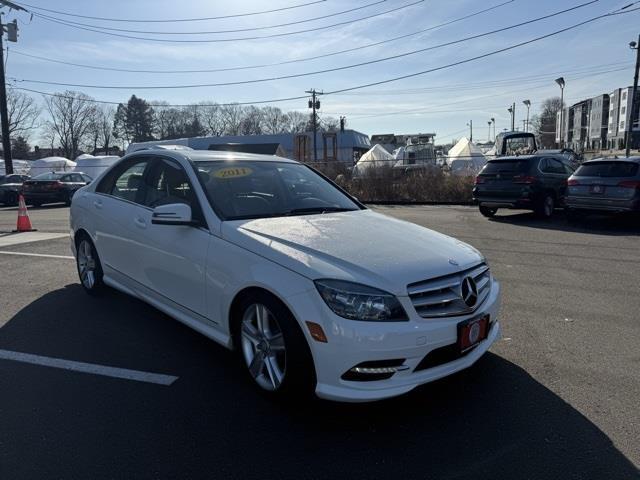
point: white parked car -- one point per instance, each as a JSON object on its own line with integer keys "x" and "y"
{"x": 265, "y": 256}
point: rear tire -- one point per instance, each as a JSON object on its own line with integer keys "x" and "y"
{"x": 546, "y": 206}
{"x": 487, "y": 211}
{"x": 272, "y": 348}
{"x": 89, "y": 266}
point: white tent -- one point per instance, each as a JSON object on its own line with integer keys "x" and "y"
{"x": 51, "y": 164}
{"x": 19, "y": 167}
{"x": 377, "y": 156}
{"x": 94, "y": 165}
{"x": 465, "y": 158}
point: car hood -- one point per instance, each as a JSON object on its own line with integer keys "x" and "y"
{"x": 360, "y": 246}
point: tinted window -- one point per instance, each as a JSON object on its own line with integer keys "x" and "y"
{"x": 246, "y": 189}
{"x": 125, "y": 181}
{"x": 607, "y": 169}
{"x": 87, "y": 178}
{"x": 76, "y": 177}
{"x": 551, "y": 165}
{"x": 47, "y": 176}
{"x": 498, "y": 166}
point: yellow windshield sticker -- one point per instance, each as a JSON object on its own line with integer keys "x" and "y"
{"x": 233, "y": 172}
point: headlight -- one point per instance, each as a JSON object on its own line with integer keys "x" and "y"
{"x": 359, "y": 302}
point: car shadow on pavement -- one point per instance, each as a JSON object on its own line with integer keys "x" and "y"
{"x": 491, "y": 421}
{"x": 598, "y": 224}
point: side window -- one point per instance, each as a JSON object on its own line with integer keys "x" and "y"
{"x": 76, "y": 177}
{"x": 168, "y": 183}
{"x": 87, "y": 178}
{"x": 551, "y": 165}
{"x": 125, "y": 181}
{"x": 568, "y": 169}
{"x": 65, "y": 178}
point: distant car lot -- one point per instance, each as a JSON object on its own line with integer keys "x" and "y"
{"x": 556, "y": 398}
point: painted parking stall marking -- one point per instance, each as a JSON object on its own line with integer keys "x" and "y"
{"x": 46, "y": 255}
{"x": 92, "y": 368}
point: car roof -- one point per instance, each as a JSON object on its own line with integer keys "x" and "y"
{"x": 513, "y": 157}
{"x": 614, "y": 159}
{"x": 213, "y": 156}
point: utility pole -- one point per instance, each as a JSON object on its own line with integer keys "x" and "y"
{"x": 470, "y": 125}
{"x": 512, "y": 111}
{"x": 12, "y": 36}
{"x": 493, "y": 120}
{"x": 560, "y": 82}
{"x": 314, "y": 104}
{"x": 634, "y": 46}
{"x": 527, "y": 104}
{"x": 489, "y": 134}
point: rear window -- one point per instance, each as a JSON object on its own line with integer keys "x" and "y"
{"x": 498, "y": 166}
{"x": 47, "y": 176}
{"x": 607, "y": 169}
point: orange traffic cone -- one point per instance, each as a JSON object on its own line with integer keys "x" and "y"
{"x": 24, "y": 224}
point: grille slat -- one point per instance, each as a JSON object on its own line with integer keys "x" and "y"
{"x": 442, "y": 296}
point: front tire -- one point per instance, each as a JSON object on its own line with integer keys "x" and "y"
{"x": 89, "y": 266}
{"x": 488, "y": 212}
{"x": 273, "y": 349}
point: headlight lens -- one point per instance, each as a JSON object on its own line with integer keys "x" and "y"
{"x": 359, "y": 302}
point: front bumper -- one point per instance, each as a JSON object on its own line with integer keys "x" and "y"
{"x": 352, "y": 342}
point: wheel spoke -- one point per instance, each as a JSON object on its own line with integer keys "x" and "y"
{"x": 275, "y": 376}
{"x": 262, "y": 321}
{"x": 250, "y": 332}
{"x": 257, "y": 364}
{"x": 276, "y": 342}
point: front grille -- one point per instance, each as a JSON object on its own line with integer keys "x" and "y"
{"x": 442, "y": 296}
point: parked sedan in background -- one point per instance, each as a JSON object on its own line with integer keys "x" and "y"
{"x": 530, "y": 182}
{"x": 53, "y": 187}
{"x": 10, "y": 186}
{"x": 605, "y": 184}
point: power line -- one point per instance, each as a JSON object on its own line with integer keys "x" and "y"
{"x": 236, "y": 30}
{"x": 174, "y": 20}
{"x": 286, "y": 62}
{"x": 485, "y": 55}
{"x": 236, "y": 39}
{"x": 328, "y": 70}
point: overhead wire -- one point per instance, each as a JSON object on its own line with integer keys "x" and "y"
{"x": 333, "y": 69}
{"x": 265, "y": 65}
{"x": 235, "y": 39}
{"x": 214, "y": 32}
{"x": 173, "y": 20}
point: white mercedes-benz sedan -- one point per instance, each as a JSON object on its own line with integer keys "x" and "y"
{"x": 266, "y": 256}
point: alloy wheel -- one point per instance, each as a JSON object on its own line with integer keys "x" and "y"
{"x": 263, "y": 347}
{"x": 86, "y": 264}
{"x": 548, "y": 206}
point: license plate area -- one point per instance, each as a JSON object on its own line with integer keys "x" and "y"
{"x": 471, "y": 332}
{"x": 596, "y": 189}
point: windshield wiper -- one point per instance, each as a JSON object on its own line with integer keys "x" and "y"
{"x": 312, "y": 210}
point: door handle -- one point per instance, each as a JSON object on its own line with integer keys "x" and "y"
{"x": 97, "y": 203}
{"x": 140, "y": 222}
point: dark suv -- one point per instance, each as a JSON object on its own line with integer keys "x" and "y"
{"x": 10, "y": 186}
{"x": 531, "y": 182}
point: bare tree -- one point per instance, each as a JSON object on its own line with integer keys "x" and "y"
{"x": 106, "y": 128}
{"x": 23, "y": 113}
{"x": 71, "y": 115}
{"x": 232, "y": 116}
{"x": 212, "y": 119}
{"x": 329, "y": 124}
{"x": 297, "y": 121}
{"x": 544, "y": 124}
{"x": 274, "y": 120}
{"x": 251, "y": 121}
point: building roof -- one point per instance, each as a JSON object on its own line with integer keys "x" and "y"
{"x": 262, "y": 148}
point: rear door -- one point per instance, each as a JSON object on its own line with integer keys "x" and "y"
{"x": 111, "y": 208}
{"x": 554, "y": 176}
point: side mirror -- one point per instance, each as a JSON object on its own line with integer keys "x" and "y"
{"x": 172, "y": 214}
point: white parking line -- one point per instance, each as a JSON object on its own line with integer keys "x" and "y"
{"x": 28, "y": 237}
{"x": 93, "y": 368}
{"x": 66, "y": 257}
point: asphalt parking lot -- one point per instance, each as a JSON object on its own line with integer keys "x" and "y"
{"x": 557, "y": 397}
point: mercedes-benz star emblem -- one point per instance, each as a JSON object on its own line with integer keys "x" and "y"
{"x": 469, "y": 291}
{"x": 453, "y": 262}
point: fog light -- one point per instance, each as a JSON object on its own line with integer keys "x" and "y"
{"x": 375, "y": 370}
{"x": 379, "y": 370}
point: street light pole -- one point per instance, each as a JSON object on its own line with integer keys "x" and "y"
{"x": 512, "y": 111}
{"x": 634, "y": 46}
{"x": 489, "y": 132}
{"x": 560, "y": 81}
{"x": 470, "y": 125}
{"x": 528, "y": 105}
{"x": 493, "y": 120}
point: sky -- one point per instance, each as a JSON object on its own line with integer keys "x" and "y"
{"x": 594, "y": 58}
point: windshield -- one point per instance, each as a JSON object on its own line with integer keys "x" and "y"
{"x": 249, "y": 189}
{"x": 47, "y": 176}
{"x": 499, "y": 166}
{"x": 607, "y": 169}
